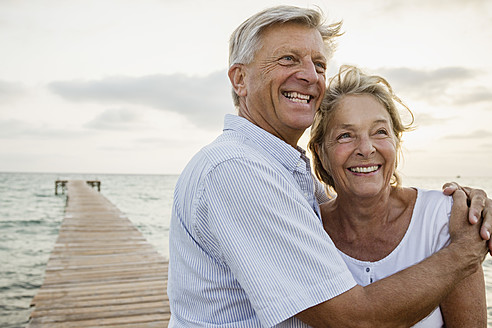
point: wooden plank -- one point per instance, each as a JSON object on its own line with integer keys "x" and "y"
{"x": 99, "y": 292}
{"x": 58, "y": 305}
{"x": 101, "y": 309}
{"x": 107, "y": 297}
{"x": 101, "y": 272}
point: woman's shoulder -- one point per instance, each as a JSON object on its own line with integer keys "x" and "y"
{"x": 431, "y": 220}
{"x": 433, "y": 198}
{"x": 417, "y": 192}
{"x": 432, "y": 209}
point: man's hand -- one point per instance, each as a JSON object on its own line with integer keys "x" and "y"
{"x": 463, "y": 234}
{"x": 480, "y": 207}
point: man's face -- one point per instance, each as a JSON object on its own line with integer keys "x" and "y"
{"x": 285, "y": 83}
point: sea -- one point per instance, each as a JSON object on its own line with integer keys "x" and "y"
{"x": 31, "y": 214}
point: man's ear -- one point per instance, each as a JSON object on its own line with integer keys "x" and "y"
{"x": 237, "y": 74}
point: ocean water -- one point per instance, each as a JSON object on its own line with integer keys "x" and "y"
{"x": 31, "y": 213}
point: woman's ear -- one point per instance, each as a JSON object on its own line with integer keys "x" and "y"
{"x": 237, "y": 74}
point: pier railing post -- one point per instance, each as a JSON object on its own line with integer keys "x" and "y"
{"x": 62, "y": 184}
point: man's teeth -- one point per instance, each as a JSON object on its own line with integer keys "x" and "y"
{"x": 297, "y": 97}
{"x": 367, "y": 169}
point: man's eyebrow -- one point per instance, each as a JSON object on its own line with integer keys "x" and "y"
{"x": 284, "y": 49}
{"x": 320, "y": 56}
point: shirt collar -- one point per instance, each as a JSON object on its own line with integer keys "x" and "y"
{"x": 294, "y": 159}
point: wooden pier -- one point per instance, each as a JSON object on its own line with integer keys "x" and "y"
{"x": 63, "y": 185}
{"x": 102, "y": 272}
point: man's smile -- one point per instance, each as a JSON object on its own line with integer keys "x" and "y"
{"x": 297, "y": 97}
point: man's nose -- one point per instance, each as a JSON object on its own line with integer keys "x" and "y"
{"x": 308, "y": 72}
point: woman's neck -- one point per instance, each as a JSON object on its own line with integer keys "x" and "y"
{"x": 363, "y": 212}
{"x": 369, "y": 228}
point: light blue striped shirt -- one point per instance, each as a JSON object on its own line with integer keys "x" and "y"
{"x": 247, "y": 246}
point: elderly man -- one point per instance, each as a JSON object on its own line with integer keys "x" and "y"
{"x": 247, "y": 247}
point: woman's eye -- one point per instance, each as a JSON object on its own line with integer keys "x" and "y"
{"x": 345, "y": 135}
{"x": 382, "y": 131}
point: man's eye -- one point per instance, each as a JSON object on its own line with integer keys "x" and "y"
{"x": 287, "y": 60}
{"x": 321, "y": 66}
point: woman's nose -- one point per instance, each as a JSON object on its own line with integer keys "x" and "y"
{"x": 365, "y": 147}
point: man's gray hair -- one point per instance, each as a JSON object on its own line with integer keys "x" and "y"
{"x": 246, "y": 39}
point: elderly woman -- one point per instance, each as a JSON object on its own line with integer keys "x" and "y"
{"x": 378, "y": 226}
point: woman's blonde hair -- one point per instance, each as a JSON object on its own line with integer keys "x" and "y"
{"x": 351, "y": 80}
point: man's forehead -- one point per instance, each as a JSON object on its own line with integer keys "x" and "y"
{"x": 286, "y": 42}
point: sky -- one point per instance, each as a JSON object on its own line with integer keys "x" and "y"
{"x": 125, "y": 86}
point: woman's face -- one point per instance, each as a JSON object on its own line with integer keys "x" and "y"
{"x": 360, "y": 146}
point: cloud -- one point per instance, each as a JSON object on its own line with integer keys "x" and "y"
{"x": 15, "y": 129}
{"x": 476, "y": 96}
{"x": 115, "y": 119}
{"x": 442, "y": 85}
{"x": 409, "y": 79}
{"x": 392, "y": 5}
{"x": 429, "y": 85}
{"x": 10, "y": 91}
{"x": 165, "y": 143}
{"x": 425, "y": 119}
{"x": 12, "y": 128}
{"x": 478, "y": 134}
{"x": 203, "y": 100}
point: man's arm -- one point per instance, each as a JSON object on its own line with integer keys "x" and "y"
{"x": 408, "y": 296}
{"x": 465, "y": 306}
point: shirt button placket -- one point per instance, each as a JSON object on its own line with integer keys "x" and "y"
{"x": 369, "y": 275}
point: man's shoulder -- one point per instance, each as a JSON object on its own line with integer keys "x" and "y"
{"x": 231, "y": 155}
{"x": 227, "y": 148}
{"x": 229, "y": 145}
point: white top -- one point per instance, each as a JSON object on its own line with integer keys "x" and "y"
{"x": 427, "y": 233}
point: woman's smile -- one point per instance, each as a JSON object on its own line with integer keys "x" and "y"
{"x": 364, "y": 170}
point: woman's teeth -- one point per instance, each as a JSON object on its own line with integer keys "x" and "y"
{"x": 367, "y": 169}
